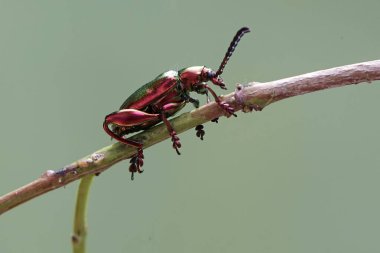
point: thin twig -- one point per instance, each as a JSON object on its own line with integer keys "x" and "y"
{"x": 246, "y": 97}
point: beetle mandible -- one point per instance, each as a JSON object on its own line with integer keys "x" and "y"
{"x": 161, "y": 98}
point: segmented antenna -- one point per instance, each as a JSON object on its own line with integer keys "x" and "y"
{"x": 231, "y": 48}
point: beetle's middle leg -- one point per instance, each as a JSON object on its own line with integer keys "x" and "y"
{"x": 199, "y": 128}
{"x": 203, "y": 88}
{"x": 163, "y": 111}
{"x": 172, "y": 133}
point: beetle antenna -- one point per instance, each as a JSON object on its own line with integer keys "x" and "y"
{"x": 231, "y": 48}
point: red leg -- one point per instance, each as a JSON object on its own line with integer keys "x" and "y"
{"x": 129, "y": 117}
{"x": 172, "y": 133}
{"x": 226, "y": 107}
{"x": 126, "y": 118}
{"x": 137, "y": 161}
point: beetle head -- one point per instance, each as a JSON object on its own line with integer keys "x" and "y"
{"x": 210, "y": 75}
{"x": 192, "y": 78}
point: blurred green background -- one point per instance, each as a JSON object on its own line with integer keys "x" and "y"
{"x": 301, "y": 176}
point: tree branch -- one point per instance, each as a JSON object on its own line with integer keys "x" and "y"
{"x": 246, "y": 97}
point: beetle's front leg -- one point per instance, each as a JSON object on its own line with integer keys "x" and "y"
{"x": 217, "y": 80}
{"x": 128, "y": 118}
{"x": 203, "y": 88}
{"x": 225, "y": 106}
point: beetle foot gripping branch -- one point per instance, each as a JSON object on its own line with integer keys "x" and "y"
{"x": 176, "y": 142}
{"x": 172, "y": 133}
{"x": 229, "y": 110}
{"x": 137, "y": 161}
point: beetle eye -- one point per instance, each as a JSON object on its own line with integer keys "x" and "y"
{"x": 210, "y": 74}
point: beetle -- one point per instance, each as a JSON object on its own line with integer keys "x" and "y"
{"x": 163, "y": 97}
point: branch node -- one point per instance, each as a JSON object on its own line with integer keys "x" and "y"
{"x": 75, "y": 239}
{"x": 70, "y": 169}
{"x": 242, "y": 102}
{"x": 47, "y": 173}
{"x": 97, "y": 157}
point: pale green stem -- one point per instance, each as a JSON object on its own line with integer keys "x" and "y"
{"x": 80, "y": 220}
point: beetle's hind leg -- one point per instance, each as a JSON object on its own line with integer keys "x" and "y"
{"x": 121, "y": 122}
{"x": 172, "y": 133}
{"x": 137, "y": 161}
